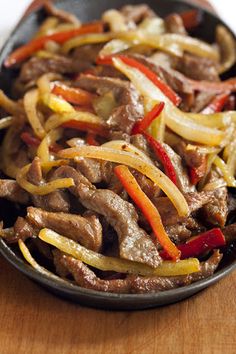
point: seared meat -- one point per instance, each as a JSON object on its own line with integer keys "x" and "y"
{"x": 202, "y": 99}
{"x": 198, "y": 68}
{"x": 140, "y": 143}
{"x": 174, "y": 24}
{"x": 230, "y": 233}
{"x": 181, "y": 173}
{"x": 168, "y": 212}
{"x": 129, "y": 110}
{"x": 134, "y": 242}
{"x": 137, "y": 13}
{"x": 85, "y": 230}
{"x": 192, "y": 157}
{"x": 84, "y": 57}
{"x": 132, "y": 284}
{"x": 181, "y": 232}
{"x": 94, "y": 170}
{"x": 215, "y": 212}
{"x": 34, "y": 174}
{"x": 23, "y": 229}
{"x": 10, "y": 190}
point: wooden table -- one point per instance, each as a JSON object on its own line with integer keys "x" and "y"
{"x": 33, "y": 321}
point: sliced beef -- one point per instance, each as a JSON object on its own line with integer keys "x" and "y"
{"x": 85, "y": 230}
{"x": 174, "y": 24}
{"x": 148, "y": 187}
{"x": 139, "y": 141}
{"x": 202, "y": 99}
{"x": 129, "y": 108}
{"x": 10, "y": 190}
{"x": 181, "y": 232}
{"x": 86, "y": 278}
{"x": 23, "y": 229}
{"x": 198, "y": 68}
{"x": 85, "y": 56}
{"x": 137, "y": 13}
{"x": 34, "y": 174}
{"x": 192, "y": 157}
{"x": 168, "y": 212}
{"x": 215, "y": 212}
{"x": 135, "y": 244}
{"x": 181, "y": 173}
{"x": 95, "y": 171}
{"x": 230, "y": 233}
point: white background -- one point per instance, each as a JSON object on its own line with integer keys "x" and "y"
{"x": 11, "y": 11}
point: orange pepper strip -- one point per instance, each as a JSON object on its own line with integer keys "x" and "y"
{"x": 143, "y": 124}
{"x": 100, "y": 130}
{"x": 167, "y": 90}
{"x": 191, "y": 18}
{"x": 26, "y": 50}
{"x": 73, "y": 95}
{"x": 148, "y": 209}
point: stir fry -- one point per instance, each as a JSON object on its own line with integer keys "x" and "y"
{"x": 119, "y": 150}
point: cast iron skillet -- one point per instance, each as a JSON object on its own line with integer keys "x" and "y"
{"x": 87, "y": 11}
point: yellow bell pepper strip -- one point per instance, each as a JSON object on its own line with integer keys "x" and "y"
{"x": 148, "y": 209}
{"x": 46, "y": 188}
{"x": 200, "y": 244}
{"x": 133, "y": 161}
{"x": 99, "y": 261}
{"x": 163, "y": 157}
{"x": 33, "y": 46}
{"x": 217, "y": 104}
{"x": 143, "y": 124}
{"x": 73, "y": 95}
{"x": 167, "y": 90}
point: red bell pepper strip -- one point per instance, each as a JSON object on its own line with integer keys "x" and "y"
{"x": 167, "y": 90}
{"x": 199, "y": 245}
{"x": 100, "y": 130}
{"x": 196, "y": 173}
{"x": 217, "y": 104}
{"x": 28, "y": 49}
{"x": 91, "y": 139}
{"x": 191, "y": 18}
{"x": 31, "y": 140}
{"x": 163, "y": 157}
{"x": 72, "y": 94}
{"x": 143, "y": 124}
{"x": 148, "y": 209}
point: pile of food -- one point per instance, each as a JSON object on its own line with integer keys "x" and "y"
{"x": 119, "y": 147}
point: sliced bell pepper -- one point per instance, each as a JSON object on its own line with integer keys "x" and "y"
{"x": 87, "y": 127}
{"x": 207, "y": 241}
{"x": 73, "y": 95}
{"x": 148, "y": 209}
{"x": 167, "y": 90}
{"x": 196, "y": 173}
{"x": 143, "y": 124}
{"x": 217, "y": 104}
{"x": 91, "y": 139}
{"x": 163, "y": 157}
{"x": 191, "y": 18}
{"x": 31, "y": 140}
{"x": 26, "y": 50}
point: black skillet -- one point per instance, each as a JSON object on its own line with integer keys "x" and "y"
{"x": 87, "y": 11}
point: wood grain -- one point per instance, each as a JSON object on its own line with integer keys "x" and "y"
{"x": 35, "y": 322}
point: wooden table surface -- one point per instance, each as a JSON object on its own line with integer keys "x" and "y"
{"x": 32, "y": 321}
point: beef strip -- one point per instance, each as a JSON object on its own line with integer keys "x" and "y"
{"x": 135, "y": 244}
{"x": 198, "y": 68}
{"x": 202, "y": 99}
{"x": 174, "y": 24}
{"x": 85, "y": 56}
{"x": 179, "y": 233}
{"x": 86, "y": 278}
{"x": 95, "y": 171}
{"x": 230, "y": 233}
{"x": 137, "y": 13}
{"x": 192, "y": 157}
{"x": 10, "y": 190}
{"x": 139, "y": 141}
{"x": 168, "y": 212}
{"x": 129, "y": 108}
{"x": 181, "y": 173}
{"x": 215, "y": 212}
{"x": 85, "y": 230}
{"x": 55, "y": 201}
{"x": 23, "y": 229}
